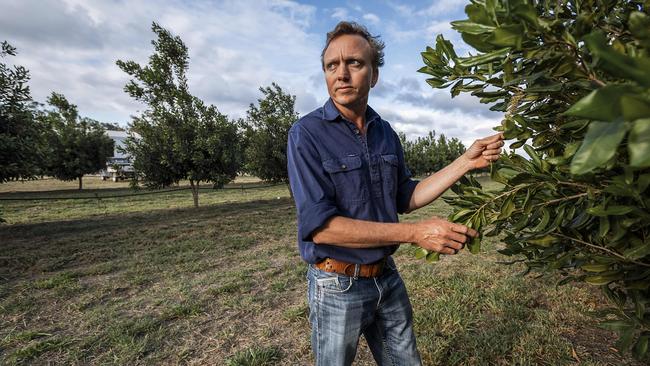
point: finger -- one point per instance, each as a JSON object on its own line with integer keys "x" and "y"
{"x": 454, "y": 245}
{"x": 463, "y": 229}
{"x": 446, "y": 250}
{"x": 495, "y": 145}
{"x": 491, "y": 139}
{"x": 456, "y": 237}
{"x": 491, "y": 152}
{"x": 491, "y": 157}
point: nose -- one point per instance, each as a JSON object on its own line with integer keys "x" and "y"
{"x": 342, "y": 72}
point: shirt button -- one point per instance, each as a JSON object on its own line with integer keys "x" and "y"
{"x": 344, "y": 166}
{"x": 356, "y": 131}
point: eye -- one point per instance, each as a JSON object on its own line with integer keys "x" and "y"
{"x": 354, "y": 63}
{"x": 331, "y": 66}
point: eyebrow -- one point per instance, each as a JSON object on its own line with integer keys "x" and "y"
{"x": 349, "y": 58}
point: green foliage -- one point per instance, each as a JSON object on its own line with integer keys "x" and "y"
{"x": 75, "y": 146}
{"x": 267, "y": 129}
{"x": 178, "y": 136}
{"x": 427, "y": 154}
{"x": 20, "y": 133}
{"x": 572, "y": 78}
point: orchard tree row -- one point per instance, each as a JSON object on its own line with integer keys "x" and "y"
{"x": 177, "y": 137}
{"x": 36, "y": 141}
{"x": 426, "y": 155}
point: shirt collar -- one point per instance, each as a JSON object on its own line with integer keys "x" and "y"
{"x": 330, "y": 113}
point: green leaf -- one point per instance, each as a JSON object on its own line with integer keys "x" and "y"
{"x": 431, "y": 58}
{"x": 634, "y": 107}
{"x": 600, "y": 144}
{"x": 433, "y": 257}
{"x": 474, "y": 245}
{"x": 510, "y": 36}
{"x": 545, "y": 241}
{"x": 638, "y": 251}
{"x": 444, "y": 46}
{"x": 527, "y": 12}
{"x": 484, "y": 58}
{"x": 478, "y": 41}
{"x": 595, "y": 267}
{"x": 421, "y": 253}
{"x": 617, "y": 63}
{"x": 469, "y": 27}
{"x": 507, "y": 208}
{"x": 639, "y": 143}
{"x": 477, "y": 14}
{"x": 458, "y": 216}
{"x": 600, "y": 280}
{"x": 602, "y": 104}
{"x": 643, "y": 182}
{"x": 610, "y": 210}
{"x": 533, "y": 155}
{"x": 603, "y": 228}
{"x": 546, "y": 217}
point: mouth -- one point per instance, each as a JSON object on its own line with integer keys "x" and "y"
{"x": 344, "y": 88}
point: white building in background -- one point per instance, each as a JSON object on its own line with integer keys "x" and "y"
{"x": 119, "y": 166}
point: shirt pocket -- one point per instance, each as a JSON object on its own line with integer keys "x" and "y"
{"x": 389, "y": 166}
{"x": 348, "y": 177}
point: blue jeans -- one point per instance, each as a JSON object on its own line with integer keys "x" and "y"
{"x": 341, "y": 308}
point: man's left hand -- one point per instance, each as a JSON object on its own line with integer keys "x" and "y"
{"x": 484, "y": 151}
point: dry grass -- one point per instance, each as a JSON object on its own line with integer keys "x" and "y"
{"x": 150, "y": 280}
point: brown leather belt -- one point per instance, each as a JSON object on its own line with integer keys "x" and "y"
{"x": 351, "y": 269}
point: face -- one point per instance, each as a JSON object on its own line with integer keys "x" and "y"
{"x": 348, "y": 71}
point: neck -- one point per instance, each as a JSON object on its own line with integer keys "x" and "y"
{"x": 355, "y": 114}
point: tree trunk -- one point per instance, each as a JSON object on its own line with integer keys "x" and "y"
{"x": 195, "y": 192}
{"x": 80, "y": 185}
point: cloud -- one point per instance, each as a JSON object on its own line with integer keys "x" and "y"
{"x": 372, "y": 18}
{"x": 340, "y": 13}
{"x": 71, "y": 46}
{"x": 417, "y": 122}
{"x": 442, "y": 8}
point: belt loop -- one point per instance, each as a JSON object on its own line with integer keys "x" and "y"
{"x": 356, "y": 271}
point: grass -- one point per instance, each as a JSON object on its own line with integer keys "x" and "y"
{"x": 151, "y": 280}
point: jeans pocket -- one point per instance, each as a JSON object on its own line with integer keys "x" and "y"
{"x": 334, "y": 284}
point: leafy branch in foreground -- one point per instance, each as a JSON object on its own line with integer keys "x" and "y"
{"x": 572, "y": 80}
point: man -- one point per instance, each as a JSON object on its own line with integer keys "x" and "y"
{"x": 349, "y": 181}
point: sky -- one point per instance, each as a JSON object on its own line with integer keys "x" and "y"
{"x": 236, "y": 47}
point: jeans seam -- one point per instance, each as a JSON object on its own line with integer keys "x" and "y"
{"x": 380, "y": 293}
{"x": 318, "y": 325}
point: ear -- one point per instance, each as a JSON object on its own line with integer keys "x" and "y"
{"x": 375, "y": 77}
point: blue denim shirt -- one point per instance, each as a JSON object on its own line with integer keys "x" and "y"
{"x": 336, "y": 170}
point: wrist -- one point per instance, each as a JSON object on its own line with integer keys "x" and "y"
{"x": 409, "y": 233}
{"x": 465, "y": 163}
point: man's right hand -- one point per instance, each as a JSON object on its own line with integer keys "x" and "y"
{"x": 442, "y": 236}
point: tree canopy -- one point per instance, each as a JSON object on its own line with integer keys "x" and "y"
{"x": 572, "y": 80}
{"x": 20, "y": 133}
{"x": 179, "y": 136}
{"x": 75, "y": 146}
{"x": 267, "y": 130}
{"x": 426, "y": 155}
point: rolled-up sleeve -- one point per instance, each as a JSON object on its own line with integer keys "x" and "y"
{"x": 313, "y": 190}
{"x": 405, "y": 185}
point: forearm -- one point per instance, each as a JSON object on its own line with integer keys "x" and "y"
{"x": 435, "y": 185}
{"x": 353, "y": 233}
